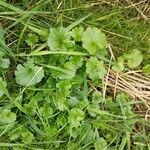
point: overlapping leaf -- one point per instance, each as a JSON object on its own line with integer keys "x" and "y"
{"x": 28, "y": 74}
{"x": 60, "y": 40}
{"x": 95, "y": 69}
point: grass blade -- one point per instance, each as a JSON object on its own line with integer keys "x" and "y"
{"x": 41, "y": 53}
{"x": 77, "y": 22}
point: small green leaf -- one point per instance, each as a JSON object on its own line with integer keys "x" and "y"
{"x": 6, "y": 116}
{"x": 4, "y": 63}
{"x": 77, "y": 33}
{"x": 72, "y": 65}
{"x": 64, "y": 87}
{"x": 93, "y": 106}
{"x": 95, "y": 69}
{"x": 28, "y": 74}
{"x": 119, "y": 65}
{"x": 97, "y": 97}
{"x": 63, "y": 93}
{"x": 46, "y": 111}
{"x": 61, "y": 102}
{"x": 22, "y": 134}
{"x": 14, "y": 134}
{"x": 76, "y": 61}
{"x": 146, "y": 69}
{"x": 94, "y": 41}
{"x": 61, "y": 120}
{"x": 60, "y": 40}
{"x": 32, "y": 39}
{"x": 69, "y": 68}
{"x": 30, "y": 108}
{"x": 134, "y": 58}
{"x": 75, "y": 116}
{"x": 27, "y": 137}
{"x": 100, "y": 144}
{"x": 11, "y": 117}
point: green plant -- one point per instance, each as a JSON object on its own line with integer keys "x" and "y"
{"x": 55, "y": 82}
{"x": 69, "y": 104}
{"x": 28, "y": 74}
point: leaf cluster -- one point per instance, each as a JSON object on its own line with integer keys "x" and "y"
{"x": 60, "y": 101}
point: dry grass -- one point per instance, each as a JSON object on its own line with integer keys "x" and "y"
{"x": 134, "y": 83}
{"x": 141, "y": 7}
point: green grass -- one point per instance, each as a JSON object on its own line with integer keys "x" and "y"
{"x": 29, "y": 118}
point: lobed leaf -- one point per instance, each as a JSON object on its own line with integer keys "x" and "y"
{"x": 60, "y": 40}
{"x": 94, "y": 41}
{"x": 29, "y": 74}
{"x": 95, "y": 69}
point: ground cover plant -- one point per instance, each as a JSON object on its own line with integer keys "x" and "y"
{"x": 74, "y": 75}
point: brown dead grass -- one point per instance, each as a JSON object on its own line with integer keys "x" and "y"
{"x": 140, "y": 7}
{"x": 134, "y": 83}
